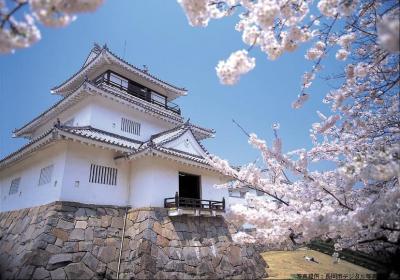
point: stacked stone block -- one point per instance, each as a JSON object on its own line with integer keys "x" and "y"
{"x": 60, "y": 240}
{"x": 185, "y": 247}
{"x": 66, "y": 240}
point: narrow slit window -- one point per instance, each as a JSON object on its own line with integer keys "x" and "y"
{"x": 130, "y": 126}
{"x": 103, "y": 175}
{"x": 14, "y": 185}
{"x": 45, "y": 175}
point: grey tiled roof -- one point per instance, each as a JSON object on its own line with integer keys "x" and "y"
{"x": 101, "y": 135}
{"x": 127, "y": 146}
{"x": 142, "y": 73}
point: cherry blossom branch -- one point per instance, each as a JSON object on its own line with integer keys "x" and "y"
{"x": 22, "y": 32}
{"x": 6, "y": 17}
{"x": 275, "y": 196}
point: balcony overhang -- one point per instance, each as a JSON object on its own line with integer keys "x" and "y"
{"x": 178, "y": 206}
{"x": 194, "y": 212}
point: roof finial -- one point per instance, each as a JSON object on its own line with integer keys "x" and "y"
{"x": 57, "y": 123}
{"x": 105, "y": 47}
{"x": 187, "y": 123}
{"x": 96, "y": 46}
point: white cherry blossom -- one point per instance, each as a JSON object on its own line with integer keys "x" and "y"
{"x": 237, "y": 64}
{"x": 22, "y": 32}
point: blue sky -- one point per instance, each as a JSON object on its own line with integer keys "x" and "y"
{"x": 160, "y": 37}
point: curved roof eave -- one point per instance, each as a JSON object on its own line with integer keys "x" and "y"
{"x": 53, "y": 134}
{"x": 25, "y": 129}
{"x": 107, "y": 56}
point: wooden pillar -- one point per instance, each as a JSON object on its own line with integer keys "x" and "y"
{"x": 177, "y": 200}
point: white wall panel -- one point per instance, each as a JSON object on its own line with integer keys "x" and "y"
{"x": 30, "y": 193}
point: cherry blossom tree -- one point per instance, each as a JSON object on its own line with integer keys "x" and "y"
{"x": 18, "y": 19}
{"x": 356, "y": 202}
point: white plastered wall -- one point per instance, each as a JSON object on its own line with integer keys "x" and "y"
{"x": 30, "y": 193}
{"x": 76, "y": 185}
{"x": 153, "y": 179}
{"x": 80, "y": 113}
{"x": 107, "y": 116}
{"x": 102, "y": 113}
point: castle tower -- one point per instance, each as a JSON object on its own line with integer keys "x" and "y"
{"x": 115, "y": 184}
{"x": 115, "y": 138}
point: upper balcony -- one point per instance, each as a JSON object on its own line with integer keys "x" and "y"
{"x": 178, "y": 205}
{"x": 115, "y": 81}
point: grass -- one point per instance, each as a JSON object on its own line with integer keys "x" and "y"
{"x": 293, "y": 265}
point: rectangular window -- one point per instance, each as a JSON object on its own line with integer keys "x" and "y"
{"x": 118, "y": 81}
{"x": 45, "y": 175}
{"x": 14, "y": 185}
{"x": 130, "y": 126}
{"x": 103, "y": 175}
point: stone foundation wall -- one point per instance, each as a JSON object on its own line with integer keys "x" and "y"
{"x": 158, "y": 246}
{"x": 72, "y": 240}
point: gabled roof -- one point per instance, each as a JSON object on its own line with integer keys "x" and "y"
{"x": 104, "y": 56}
{"x": 85, "y": 134}
{"x": 166, "y": 137}
{"x": 164, "y": 152}
{"x": 199, "y": 132}
{"x": 167, "y": 144}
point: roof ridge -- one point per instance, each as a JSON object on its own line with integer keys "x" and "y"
{"x": 169, "y": 151}
{"x": 105, "y": 49}
{"x": 91, "y": 128}
{"x": 96, "y": 49}
{"x": 63, "y": 98}
{"x": 174, "y": 137}
{"x": 158, "y": 111}
{"x": 179, "y": 151}
{"x": 144, "y": 72}
{"x": 76, "y": 73}
{"x": 166, "y": 131}
{"x": 198, "y": 142}
{"x": 211, "y": 130}
{"x": 33, "y": 141}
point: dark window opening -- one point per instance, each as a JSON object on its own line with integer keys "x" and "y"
{"x": 115, "y": 80}
{"x": 189, "y": 185}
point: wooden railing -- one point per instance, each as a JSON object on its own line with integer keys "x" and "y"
{"x": 142, "y": 95}
{"x": 194, "y": 203}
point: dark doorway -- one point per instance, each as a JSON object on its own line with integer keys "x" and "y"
{"x": 189, "y": 185}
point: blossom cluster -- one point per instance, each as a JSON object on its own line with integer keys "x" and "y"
{"x": 357, "y": 200}
{"x": 238, "y": 63}
{"x": 22, "y": 32}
